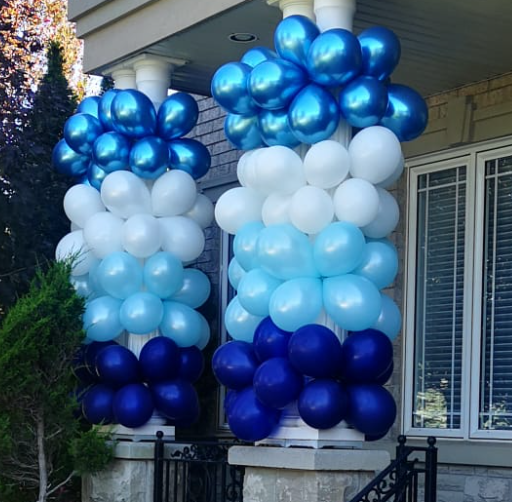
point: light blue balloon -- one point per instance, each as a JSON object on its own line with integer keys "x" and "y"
{"x": 94, "y": 280}
{"x": 379, "y": 263}
{"x": 163, "y": 274}
{"x": 245, "y": 244}
{"x": 296, "y": 303}
{"x": 235, "y": 273}
{"x": 254, "y": 291}
{"x": 82, "y": 285}
{"x": 381, "y": 50}
{"x": 104, "y": 109}
{"x": 133, "y": 114}
{"x": 390, "y": 319}
{"x": 101, "y": 319}
{"x": 111, "y": 152}
{"x": 149, "y": 157}
{"x": 141, "y": 313}
{"x": 293, "y": 38}
{"x": 229, "y": 88}
{"x": 69, "y": 162}
{"x": 181, "y": 323}
{"x": 363, "y": 101}
{"x": 352, "y": 301}
{"x": 177, "y": 116}
{"x": 285, "y": 252}
{"x": 239, "y": 323}
{"x": 81, "y": 131}
{"x": 274, "y": 83}
{"x": 257, "y": 55}
{"x": 243, "y": 132}
{"x": 338, "y": 248}
{"x": 195, "y": 290}
{"x": 190, "y": 156}
{"x": 95, "y": 176}
{"x": 89, "y": 105}
{"x": 313, "y": 114}
{"x": 334, "y": 58}
{"x": 275, "y": 128}
{"x": 120, "y": 274}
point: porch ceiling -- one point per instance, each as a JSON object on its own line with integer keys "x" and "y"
{"x": 445, "y": 43}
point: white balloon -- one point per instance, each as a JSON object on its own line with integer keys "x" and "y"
{"x": 275, "y": 209}
{"x": 395, "y": 176}
{"x": 326, "y": 164}
{"x": 173, "y": 193}
{"x": 103, "y": 233}
{"x": 311, "y": 209}
{"x": 249, "y": 170}
{"x": 125, "y": 194}
{"x": 375, "y": 153}
{"x": 356, "y": 201}
{"x": 182, "y": 237}
{"x": 73, "y": 246}
{"x": 141, "y": 235}
{"x": 236, "y": 207}
{"x": 242, "y": 165}
{"x": 81, "y": 202}
{"x": 202, "y": 211}
{"x": 387, "y": 216}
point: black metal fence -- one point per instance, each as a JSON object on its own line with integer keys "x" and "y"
{"x": 195, "y": 471}
{"x": 411, "y": 477}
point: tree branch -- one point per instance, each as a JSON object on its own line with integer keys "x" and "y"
{"x": 62, "y": 483}
{"x": 41, "y": 457}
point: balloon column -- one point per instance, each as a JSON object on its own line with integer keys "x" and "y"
{"x": 137, "y": 220}
{"x": 311, "y": 232}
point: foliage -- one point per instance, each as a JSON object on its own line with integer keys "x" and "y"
{"x": 42, "y": 444}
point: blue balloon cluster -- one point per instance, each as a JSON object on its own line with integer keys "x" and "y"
{"x": 121, "y": 388}
{"x": 298, "y": 93}
{"x": 122, "y": 131}
{"x": 328, "y": 380}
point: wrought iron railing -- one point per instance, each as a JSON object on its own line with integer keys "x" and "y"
{"x": 407, "y": 477}
{"x": 195, "y": 471}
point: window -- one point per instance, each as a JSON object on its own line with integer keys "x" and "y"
{"x": 458, "y": 352}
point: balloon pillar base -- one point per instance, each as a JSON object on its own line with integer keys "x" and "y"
{"x": 145, "y": 433}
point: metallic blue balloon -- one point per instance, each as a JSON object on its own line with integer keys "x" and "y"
{"x": 229, "y": 88}
{"x": 381, "y": 51}
{"x": 69, "y": 162}
{"x": 95, "y": 176}
{"x": 117, "y": 366}
{"x": 274, "y": 83}
{"x": 243, "y": 132}
{"x": 190, "y": 156}
{"x": 104, "y": 109}
{"x": 89, "y": 105}
{"x": 406, "y": 114}
{"x": 293, "y": 38}
{"x": 363, "y": 101}
{"x": 111, "y": 151}
{"x": 149, "y": 157}
{"x": 133, "y": 405}
{"x": 97, "y": 404}
{"x": 177, "y": 116}
{"x": 133, "y": 114}
{"x": 81, "y": 131}
{"x": 275, "y": 128}
{"x": 313, "y": 114}
{"x": 334, "y": 58}
{"x": 257, "y": 55}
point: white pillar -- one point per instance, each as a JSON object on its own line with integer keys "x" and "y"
{"x": 295, "y": 7}
{"x": 124, "y": 78}
{"x": 153, "y": 77}
{"x": 334, "y": 14}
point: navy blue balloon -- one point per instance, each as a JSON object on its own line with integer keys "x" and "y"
{"x": 159, "y": 359}
{"x": 381, "y": 50}
{"x": 176, "y": 400}
{"x": 229, "y": 400}
{"x": 89, "y": 105}
{"x": 69, "y": 162}
{"x": 149, "y": 157}
{"x": 270, "y": 341}
{"x": 190, "y": 156}
{"x": 95, "y": 176}
{"x": 277, "y": 383}
{"x": 363, "y": 101}
{"x": 323, "y": 403}
{"x": 375, "y": 437}
{"x": 91, "y": 351}
{"x": 313, "y": 114}
{"x": 315, "y": 351}
{"x": 133, "y": 114}
{"x": 275, "y": 128}
{"x": 177, "y": 116}
{"x": 384, "y": 377}
{"x": 293, "y": 37}
{"x": 249, "y": 419}
{"x": 192, "y": 364}
{"x": 366, "y": 356}
{"x": 257, "y": 55}
{"x": 234, "y": 364}
{"x": 334, "y": 58}
{"x": 117, "y": 366}
{"x": 111, "y": 152}
{"x": 81, "y": 131}
{"x": 406, "y": 114}
{"x": 274, "y": 83}
{"x": 104, "y": 109}
{"x": 243, "y": 132}
{"x": 372, "y": 409}
{"x": 133, "y": 405}
{"x": 229, "y": 88}
{"x": 97, "y": 404}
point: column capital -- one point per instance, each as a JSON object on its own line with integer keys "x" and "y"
{"x": 294, "y": 7}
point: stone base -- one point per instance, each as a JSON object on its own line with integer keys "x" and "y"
{"x": 145, "y": 433}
